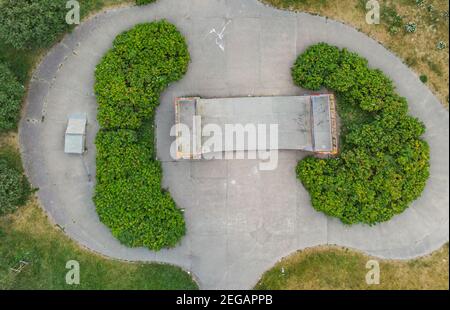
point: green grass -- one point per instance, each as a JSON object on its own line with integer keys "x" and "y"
{"x": 434, "y": 67}
{"x": 27, "y": 235}
{"x": 339, "y": 268}
{"x": 89, "y": 6}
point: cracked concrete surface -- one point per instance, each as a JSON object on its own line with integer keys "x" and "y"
{"x": 240, "y": 220}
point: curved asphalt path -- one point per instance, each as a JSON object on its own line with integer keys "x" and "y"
{"x": 240, "y": 220}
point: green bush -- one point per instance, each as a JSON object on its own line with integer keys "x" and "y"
{"x": 14, "y": 187}
{"x": 129, "y": 80}
{"x": 423, "y": 78}
{"x": 127, "y": 97}
{"x": 11, "y": 93}
{"x": 357, "y": 83}
{"x": 392, "y": 20}
{"x": 26, "y": 24}
{"x": 411, "y": 27}
{"x": 441, "y": 45}
{"x": 128, "y": 195}
{"x": 313, "y": 66}
{"x": 384, "y": 164}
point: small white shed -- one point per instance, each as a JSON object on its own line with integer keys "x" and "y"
{"x": 75, "y": 139}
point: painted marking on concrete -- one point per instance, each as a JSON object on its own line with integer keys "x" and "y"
{"x": 220, "y": 36}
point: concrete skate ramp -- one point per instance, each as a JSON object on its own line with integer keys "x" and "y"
{"x": 304, "y": 123}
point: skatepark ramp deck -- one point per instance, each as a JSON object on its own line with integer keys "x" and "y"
{"x": 305, "y": 123}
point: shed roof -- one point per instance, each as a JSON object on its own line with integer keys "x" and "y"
{"x": 74, "y": 144}
{"x": 77, "y": 124}
{"x": 75, "y": 134}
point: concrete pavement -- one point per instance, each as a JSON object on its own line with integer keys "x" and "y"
{"x": 240, "y": 220}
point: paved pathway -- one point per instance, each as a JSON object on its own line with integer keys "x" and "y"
{"x": 240, "y": 220}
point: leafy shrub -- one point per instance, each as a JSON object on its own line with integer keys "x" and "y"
{"x": 129, "y": 80}
{"x": 26, "y": 24}
{"x": 14, "y": 187}
{"x": 313, "y": 66}
{"x": 424, "y": 78}
{"x": 359, "y": 84}
{"x": 383, "y": 165}
{"x": 411, "y": 27}
{"x": 128, "y": 196}
{"x": 394, "y": 30}
{"x": 144, "y": 2}
{"x": 11, "y": 93}
{"x": 391, "y": 19}
{"x": 127, "y": 97}
{"x": 441, "y": 45}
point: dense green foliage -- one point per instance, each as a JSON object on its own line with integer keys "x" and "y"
{"x": 129, "y": 80}
{"x": 311, "y": 69}
{"x": 32, "y": 24}
{"x": 14, "y": 187}
{"x": 128, "y": 96}
{"x": 383, "y": 165}
{"x": 11, "y": 93}
{"x": 144, "y": 2}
